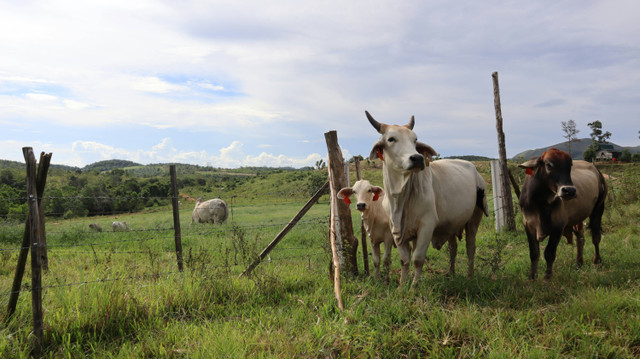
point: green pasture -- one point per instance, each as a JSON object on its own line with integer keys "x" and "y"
{"x": 120, "y": 294}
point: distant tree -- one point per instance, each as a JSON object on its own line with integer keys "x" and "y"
{"x": 570, "y": 133}
{"x": 320, "y": 164}
{"x": 625, "y": 156}
{"x": 597, "y": 136}
{"x": 589, "y": 154}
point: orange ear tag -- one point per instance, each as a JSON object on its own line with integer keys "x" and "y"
{"x": 347, "y": 201}
{"x": 380, "y": 156}
{"x": 376, "y": 196}
{"x": 529, "y": 171}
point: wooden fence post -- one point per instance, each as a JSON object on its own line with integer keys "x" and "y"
{"x": 41, "y": 180}
{"x": 507, "y": 199}
{"x": 332, "y": 240}
{"x": 345, "y": 231}
{"x": 363, "y": 237}
{"x": 498, "y": 209}
{"x": 176, "y": 215}
{"x": 43, "y": 167}
{"x": 35, "y": 242}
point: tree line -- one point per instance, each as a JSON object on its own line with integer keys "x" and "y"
{"x": 76, "y": 193}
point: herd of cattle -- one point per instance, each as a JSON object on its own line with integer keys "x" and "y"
{"x": 426, "y": 202}
{"x": 213, "y": 211}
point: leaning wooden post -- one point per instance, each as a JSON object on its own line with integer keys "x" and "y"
{"x": 24, "y": 249}
{"x": 285, "y": 230}
{"x": 363, "y": 232}
{"x": 507, "y": 199}
{"x": 176, "y": 215}
{"x": 345, "y": 230}
{"x": 332, "y": 239}
{"x": 41, "y": 180}
{"x": 35, "y": 241}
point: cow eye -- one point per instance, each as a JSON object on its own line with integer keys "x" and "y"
{"x": 392, "y": 139}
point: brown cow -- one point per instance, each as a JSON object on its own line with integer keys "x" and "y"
{"x": 557, "y": 195}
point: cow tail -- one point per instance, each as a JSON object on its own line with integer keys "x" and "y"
{"x": 481, "y": 201}
{"x": 595, "y": 220}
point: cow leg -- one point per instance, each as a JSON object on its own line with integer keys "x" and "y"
{"x": 595, "y": 225}
{"x": 453, "y": 251}
{"x": 596, "y": 235}
{"x": 386, "y": 258}
{"x": 568, "y": 234}
{"x": 534, "y": 253}
{"x": 579, "y": 231}
{"x": 471, "y": 229}
{"x": 550, "y": 252}
{"x": 376, "y": 259}
{"x": 423, "y": 241}
{"x": 405, "y": 255}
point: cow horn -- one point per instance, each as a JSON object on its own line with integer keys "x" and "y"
{"x": 411, "y": 123}
{"x": 377, "y": 125}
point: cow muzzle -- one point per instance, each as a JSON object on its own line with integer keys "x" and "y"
{"x": 416, "y": 162}
{"x": 361, "y": 206}
{"x": 567, "y": 192}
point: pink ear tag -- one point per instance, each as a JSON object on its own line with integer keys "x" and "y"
{"x": 529, "y": 171}
{"x": 376, "y": 196}
{"x": 347, "y": 201}
{"x": 380, "y": 156}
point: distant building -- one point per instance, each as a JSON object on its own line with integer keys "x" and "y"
{"x": 606, "y": 152}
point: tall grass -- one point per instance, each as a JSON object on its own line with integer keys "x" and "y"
{"x": 122, "y": 296}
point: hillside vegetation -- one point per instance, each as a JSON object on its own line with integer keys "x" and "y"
{"x": 577, "y": 149}
{"x": 120, "y": 295}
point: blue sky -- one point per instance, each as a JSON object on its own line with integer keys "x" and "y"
{"x": 254, "y": 83}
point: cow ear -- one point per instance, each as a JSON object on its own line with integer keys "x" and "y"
{"x": 344, "y": 194}
{"x": 426, "y": 150}
{"x": 376, "y": 151}
{"x": 377, "y": 192}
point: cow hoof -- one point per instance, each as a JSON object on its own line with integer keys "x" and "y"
{"x": 548, "y": 276}
{"x": 597, "y": 261}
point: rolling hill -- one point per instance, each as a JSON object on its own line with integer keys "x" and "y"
{"x": 577, "y": 148}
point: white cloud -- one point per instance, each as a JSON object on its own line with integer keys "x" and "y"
{"x": 40, "y": 97}
{"x": 155, "y": 85}
{"x": 212, "y": 87}
{"x": 286, "y": 72}
{"x": 76, "y": 105}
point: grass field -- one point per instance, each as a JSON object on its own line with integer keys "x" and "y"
{"x": 120, "y": 295}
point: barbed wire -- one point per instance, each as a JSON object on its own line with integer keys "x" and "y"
{"x": 180, "y": 198}
{"x": 146, "y": 276}
{"x": 169, "y": 237}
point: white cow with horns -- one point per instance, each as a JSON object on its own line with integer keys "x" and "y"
{"x": 374, "y": 210}
{"x": 429, "y": 202}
